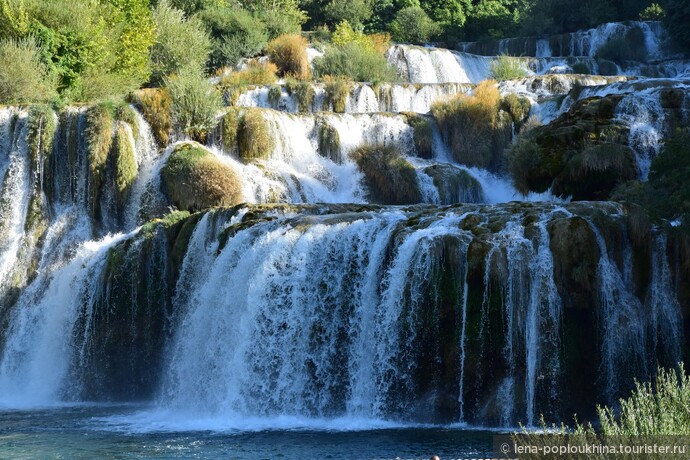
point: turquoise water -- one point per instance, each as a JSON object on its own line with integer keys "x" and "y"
{"x": 129, "y": 432}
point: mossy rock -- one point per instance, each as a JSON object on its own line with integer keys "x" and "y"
{"x": 583, "y": 153}
{"x": 125, "y": 160}
{"x": 329, "y": 142}
{"x": 100, "y": 121}
{"x": 517, "y": 107}
{"x": 194, "y": 179}
{"x": 391, "y": 179}
{"x": 423, "y": 134}
{"x": 253, "y": 136}
{"x": 455, "y": 185}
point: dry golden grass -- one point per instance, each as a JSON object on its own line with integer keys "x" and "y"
{"x": 154, "y": 104}
{"x": 253, "y": 136}
{"x": 289, "y": 53}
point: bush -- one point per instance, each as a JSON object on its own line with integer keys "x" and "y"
{"x": 280, "y": 16}
{"x": 194, "y": 103}
{"x": 473, "y": 127}
{"x": 253, "y": 136}
{"x": 303, "y": 91}
{"x": 423, "y": 134}
{"x": 179, "y": 42}
{"x": 517, "y": 107}
{"x": 507, "y": 68}
{"x": 253, "y": 74}
{"x": 337, "y": 91}
{"x": 522, "y": 158}
{"x": 154, "y": 104}
{"x": 228, "y": 129}
{"x": 23, "y": 78}
{"x": 289, "y": 53}
{"x": 235, "y": 34}
{"x": 194, "y": 179}
{"x": 356, "y": 61}
{"x": 413, "y": 25}
{"x": 391, "y": 179}
{"x": 653, "y": 12}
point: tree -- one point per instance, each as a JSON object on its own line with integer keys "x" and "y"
{"x": 413, "y": 25}
{"x": 677, "y": 20}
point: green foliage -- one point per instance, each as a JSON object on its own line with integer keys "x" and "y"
{"x": 195, "y": 179}
{"x": 507, "y": 68}
{"x": 275, "y": 92}
{"x": 229, "y": 129}
{"x": 329, "y": 142}
{"x": 653, "y": 12}
{"x": 303, "y": 91}
{"x": 281, "y": 17}
{"x": 391, "y": 179}
{"x": 355, "y": 12}
{"x": 492, "y": 19}
{"x": 289, "y": 53}
{"x": 518, "y": 107}
{"x": 253, "y": 136}
{"x": 413, "y": 25}
{"x": 356, "y": 61}
{"x": 23, "y": 77}
{"x": 194, "y": 103}
{"x": 235, "y": 33}
{"x": 337, "y": 91}
{"x": 422, "y": 133}
{"x": 180, "y": 42}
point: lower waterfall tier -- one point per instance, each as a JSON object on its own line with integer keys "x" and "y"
{"x": 485, "y": 314}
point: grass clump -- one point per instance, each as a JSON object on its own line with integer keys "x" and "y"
{"x": 253, "y": 136}
{"x": 228, "y": 129}
{"x": 289, "y": 53}
{"x": 391, "y": 179}
{"x": 275, "y": 92}
{"x": 23, "y": 76}
{"x": 423, "y": 134}
{"x": 473, "y": 127}
{"x": 194, "y": 103}
{"x": 507, "y": 68}
{"x": 337, "y": 91}
{"x": 254, "y": 74}
{"x": 303, "y": 91}
{"x": 154, "y": 104}
{"x": 329, "y": 142}
{"x": 195, "y": 179}
{"x": 125, "y": 160}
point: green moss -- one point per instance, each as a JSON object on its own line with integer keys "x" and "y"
{"x": 41, "y": 132}
{"x": 166, "y": 222}
{"x": 275, "y": 92}
{"x": 391, "y": 179}
{"x": 337, "y": 91}
{"x": 125, "y": 160}
{"x": 303, "y": 91}
{"x": 329, "y": 142}
{"x": 423, "y": 134}
{"x": 455, "y": 185}
{"x": 99, "y": 139}
{"x": 126, "y": 114}
{"x": 253, "y": 136}
{"x": 517, "y": 107}
{"x": 229, "y": 125}
{"x": 195, "y": 179}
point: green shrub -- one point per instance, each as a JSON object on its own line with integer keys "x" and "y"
{"x": 253, "y": 74}
{"x": 228, "y": 127}
{"x": 303, "y": 91}
{"x": 180, "y": 42}
{"x": 653, "y": 12}
{"x": 275, "y": 92}
{"x": 280, "y": 16}
{"x": 356, "y": 61}
{"x": 23, "y": 78}
{"x": 629, "y": 48}
{"x": 195, "y": 179}
{"x": 289, "y": 53}
{"x": 507, "y": 68}
{"x": 473, "y": 127}
{"x": 523, "y": 157}
{"x": 154, "y": 104}
{"x": 391, "y": 179}
{"x": 235, "y": 33}
{"x": 581, "y": 68}
{"x": 194, "y": 103}
{"x": 337, "y": 91}
{"x": 329, "y": 142}
{"x": 253, "y": 136}
{"x": 413, "y": 25}
{"x": 423, "y": 134}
